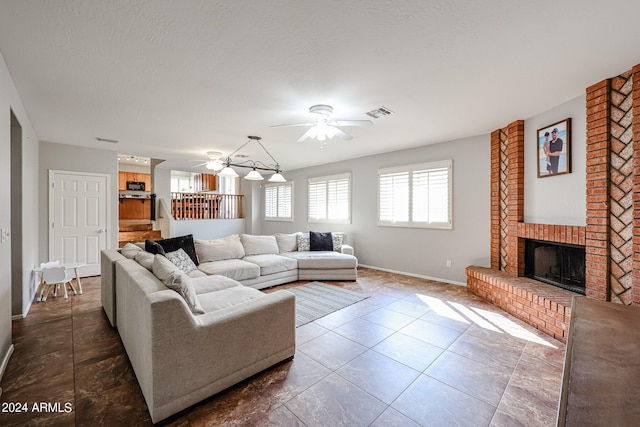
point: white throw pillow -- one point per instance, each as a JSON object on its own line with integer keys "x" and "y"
{"x": 183, "y": 285}
{"x": 145, "y": 259}
{"x": 130, "y": 250}
{"x": 163, "y": 269}
{"x": 182, "y": 260}
{"x": 228, "y": 247}
{"x": 259, "y": 245}
{"x": 287, "y": 242}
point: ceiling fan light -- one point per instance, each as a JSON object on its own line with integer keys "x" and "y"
{"x": 215, "y": 165}
{"x": 277, "y": 177}
{"x": 254, "y": 175}
{"x": 228, "y": 172}
{"x": 331, "y": 132}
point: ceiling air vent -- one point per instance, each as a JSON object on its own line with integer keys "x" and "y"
{"x": 379, "y": 112}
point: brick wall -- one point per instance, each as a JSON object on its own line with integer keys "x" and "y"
{"x": 597, "y": 148}
{"x": 635, "y": 76}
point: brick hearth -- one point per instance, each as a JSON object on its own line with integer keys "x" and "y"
{"x": 546, "y": 307}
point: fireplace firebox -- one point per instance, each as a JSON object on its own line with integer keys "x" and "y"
{"x": 557, "y": 264}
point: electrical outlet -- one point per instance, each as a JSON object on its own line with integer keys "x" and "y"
{"x": 448, "y": 263}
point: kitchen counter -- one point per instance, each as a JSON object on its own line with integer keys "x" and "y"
{"x": 134, "y": 207}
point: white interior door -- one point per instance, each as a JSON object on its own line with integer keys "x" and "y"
{"x": 78, "y": 218}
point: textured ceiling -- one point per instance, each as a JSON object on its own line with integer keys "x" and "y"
{"x": 174, "y": 79}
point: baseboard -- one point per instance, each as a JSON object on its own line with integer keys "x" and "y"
{"x": 420, "y": 276}
{"x": 25, "y": 311}
{"x": 5, "y": 362}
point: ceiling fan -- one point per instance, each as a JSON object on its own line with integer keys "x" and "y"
{"x": 323, "y": 127}
{"x": 214, "y": 163}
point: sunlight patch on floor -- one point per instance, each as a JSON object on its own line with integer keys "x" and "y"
{"x": 486, "y": 319}
{"x": 442, "y": 308}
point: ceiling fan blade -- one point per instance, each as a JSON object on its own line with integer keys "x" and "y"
{"x": 198, "y": 165}
{"x": 292, "y": 125}
{"x": 351, "y": 123}
{"x": 343, "y": 135}
{"x": 306, "y": 135}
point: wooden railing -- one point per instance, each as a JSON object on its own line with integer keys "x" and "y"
{"x": 206, "y": 206}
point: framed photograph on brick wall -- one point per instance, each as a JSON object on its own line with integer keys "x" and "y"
{"x": 554, "y": 149}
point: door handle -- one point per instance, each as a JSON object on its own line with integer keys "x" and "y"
{"x": 102, "y": 230}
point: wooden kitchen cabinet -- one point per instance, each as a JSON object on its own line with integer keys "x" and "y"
{"x": 123, "y": 177}
{"x": 204, "y": 182}
{"x": 122, "y": 181}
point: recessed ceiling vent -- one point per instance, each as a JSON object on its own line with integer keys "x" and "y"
{"x": 379, "y": 112}
{"x": 112, "y": 141}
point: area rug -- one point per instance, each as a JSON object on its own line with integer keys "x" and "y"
{"x": 315, "y": 300}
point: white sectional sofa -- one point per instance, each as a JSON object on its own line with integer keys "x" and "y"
{"x": 255, "y": 261}
{"x": 190, "y": 334}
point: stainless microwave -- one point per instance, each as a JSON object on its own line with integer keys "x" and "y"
{"x": 135, "y": 186}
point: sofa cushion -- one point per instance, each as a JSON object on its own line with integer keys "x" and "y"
{"x": 213, "y": 283}
{"x": 145, "y": 259}
{"x": 230, "y": 297}
{"x": 130, "y": 250}
{"x": 173, "y": 244}
{"x": 181, "y": 260}
{"x": 163, "y": 269}
{"x": 323, "y": 260}
{"x": 235, "y": 269}
{"x": 303, "y": 242}
{"x": 183, "y": 285}
{"x": 153, "y": 248}
{"x": 287, "y": 242}
{"x": 270, "y": 264}
{"x": 196, "y": 274}
{"x": 319, "y": 241}
{"x": 225, "y": 248}
{"x": 259, "y": 245}
{"x": 176, "y": 280}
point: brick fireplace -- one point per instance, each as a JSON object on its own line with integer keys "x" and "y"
{"x": 611, "y": 236}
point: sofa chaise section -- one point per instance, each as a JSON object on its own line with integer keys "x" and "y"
{"x": 324, "y": 265}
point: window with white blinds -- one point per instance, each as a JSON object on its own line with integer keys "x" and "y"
{"x": 416, "y": 195}
{"x": 278, "y": 202}
{"x": 330, "y": 199}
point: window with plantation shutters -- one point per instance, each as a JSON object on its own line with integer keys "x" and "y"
{"x": 278, "y": 202}
{"x": 330, "y": 199}
{"x": 416, "y": 195}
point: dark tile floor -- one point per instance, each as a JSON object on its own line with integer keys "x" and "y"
{"x": 417, "y": 352}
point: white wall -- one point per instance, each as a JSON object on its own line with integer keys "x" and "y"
{"x": 75, "y": 159}
{"x": 422, "y": 252}
{"x": 10, "y": 101}
{"x": 136, "y": 168}
{"x": 559, "y": 199}
{"x": 207, "y": 229}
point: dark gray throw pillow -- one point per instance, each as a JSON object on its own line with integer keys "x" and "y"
{"x": 321, "y": 241}
{"x": 173, "y": 244}
{"x": 153, "y": 247}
